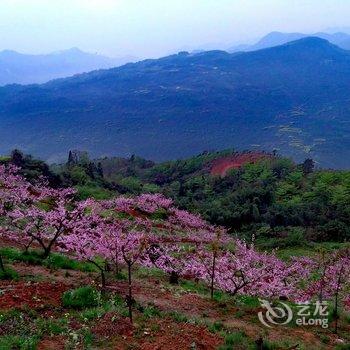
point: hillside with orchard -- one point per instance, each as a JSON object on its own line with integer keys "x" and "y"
{"x": 120, "y": 253}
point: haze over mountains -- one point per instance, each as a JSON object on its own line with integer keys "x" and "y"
{"x": 293, "y": 97}
{"x": 277, "y": 38}
{"x": 28, "y": 69}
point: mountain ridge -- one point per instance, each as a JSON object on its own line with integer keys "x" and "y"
{"x": 276, "y": 38}
{"x": 292, "y": 98}
{"x": 20, "y": 68}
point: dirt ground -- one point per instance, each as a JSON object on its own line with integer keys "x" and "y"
{"x": 45, "y": 292}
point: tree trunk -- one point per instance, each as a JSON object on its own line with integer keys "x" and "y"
{"x": 103, "y": 279}
{"x": 103, "y": 276}
{"x": 213, "y": 276}
{"x": 336, "y": 314}
{"x": 259, "y": 343}
{"x": 116, "y": 263}
{"x": 174, "y": 278}
{"x": 47, "y": 252}
{"x": 2, "y": 266}
{"x": 322, "y": 283}
{"x": 129, "y": 297}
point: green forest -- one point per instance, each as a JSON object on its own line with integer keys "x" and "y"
{"x": 274, "y": 201}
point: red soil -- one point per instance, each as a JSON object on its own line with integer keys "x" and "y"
{"x": 52, "y": 343}
{"x": 28, "y": 294}
{"x": 221, "y": 166}
{"x": 151, "y": 334}
{"x": 166, "y": 334}
{"x": 193, "y": 305}
{"x": 111, "y": 324}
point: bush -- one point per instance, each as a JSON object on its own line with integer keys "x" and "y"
{"x": 81, "y": 298}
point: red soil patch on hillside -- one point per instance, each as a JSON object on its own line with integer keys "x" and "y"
{"x": 221, "y": 166}
{"x": 166, "y": 334}
{"x": 181, "y": 336}
{"x": 111, "y": 324}
{"x": 27, "y": 294}
{"x": 114, "y": 331}
{"x": 52, "y": 343}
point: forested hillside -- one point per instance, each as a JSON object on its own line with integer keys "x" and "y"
{"x": 272, "y": 198}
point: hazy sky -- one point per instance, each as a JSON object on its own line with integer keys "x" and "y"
{"x": 151, "y": 28}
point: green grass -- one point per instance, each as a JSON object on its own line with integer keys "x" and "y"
{"x": 237, "y": 341}
{"x": 88, "y": 337}
{"x": 343, "y": 347}
{"x": 8, "y": 274}
{"x": 247, "y": 301}
{"x": 9, "y": 314}
{"x": 54, "y": 261}
{"x": 310, "y": 250}
{"x": 151, "y": 311}
{"x": 59, "y": 261}
{"x": 143, "y": 272}
{"x": 194, "y": 287}
{"x": 30, "y": 257}
{"x": 121, "y": 276}
{"x": 222, "y": 297}
{"x": 82, "y": 297}
{"x": 216, "y": 327}
{"x": 91, "y": 314}
{"x": 112, "y": 303}
{"x": 13, "y": 342}
{"x": 52, "y": 326}
{"x": 95, "y": 192}
{"x": 177, "y": 316}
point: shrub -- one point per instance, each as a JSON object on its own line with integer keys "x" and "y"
{"x": 82, "y": 297}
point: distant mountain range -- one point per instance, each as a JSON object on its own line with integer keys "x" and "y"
{"x": 293, "y": 97}
{"x": 277, "y": 38}
{"x": 28, "y": 69}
